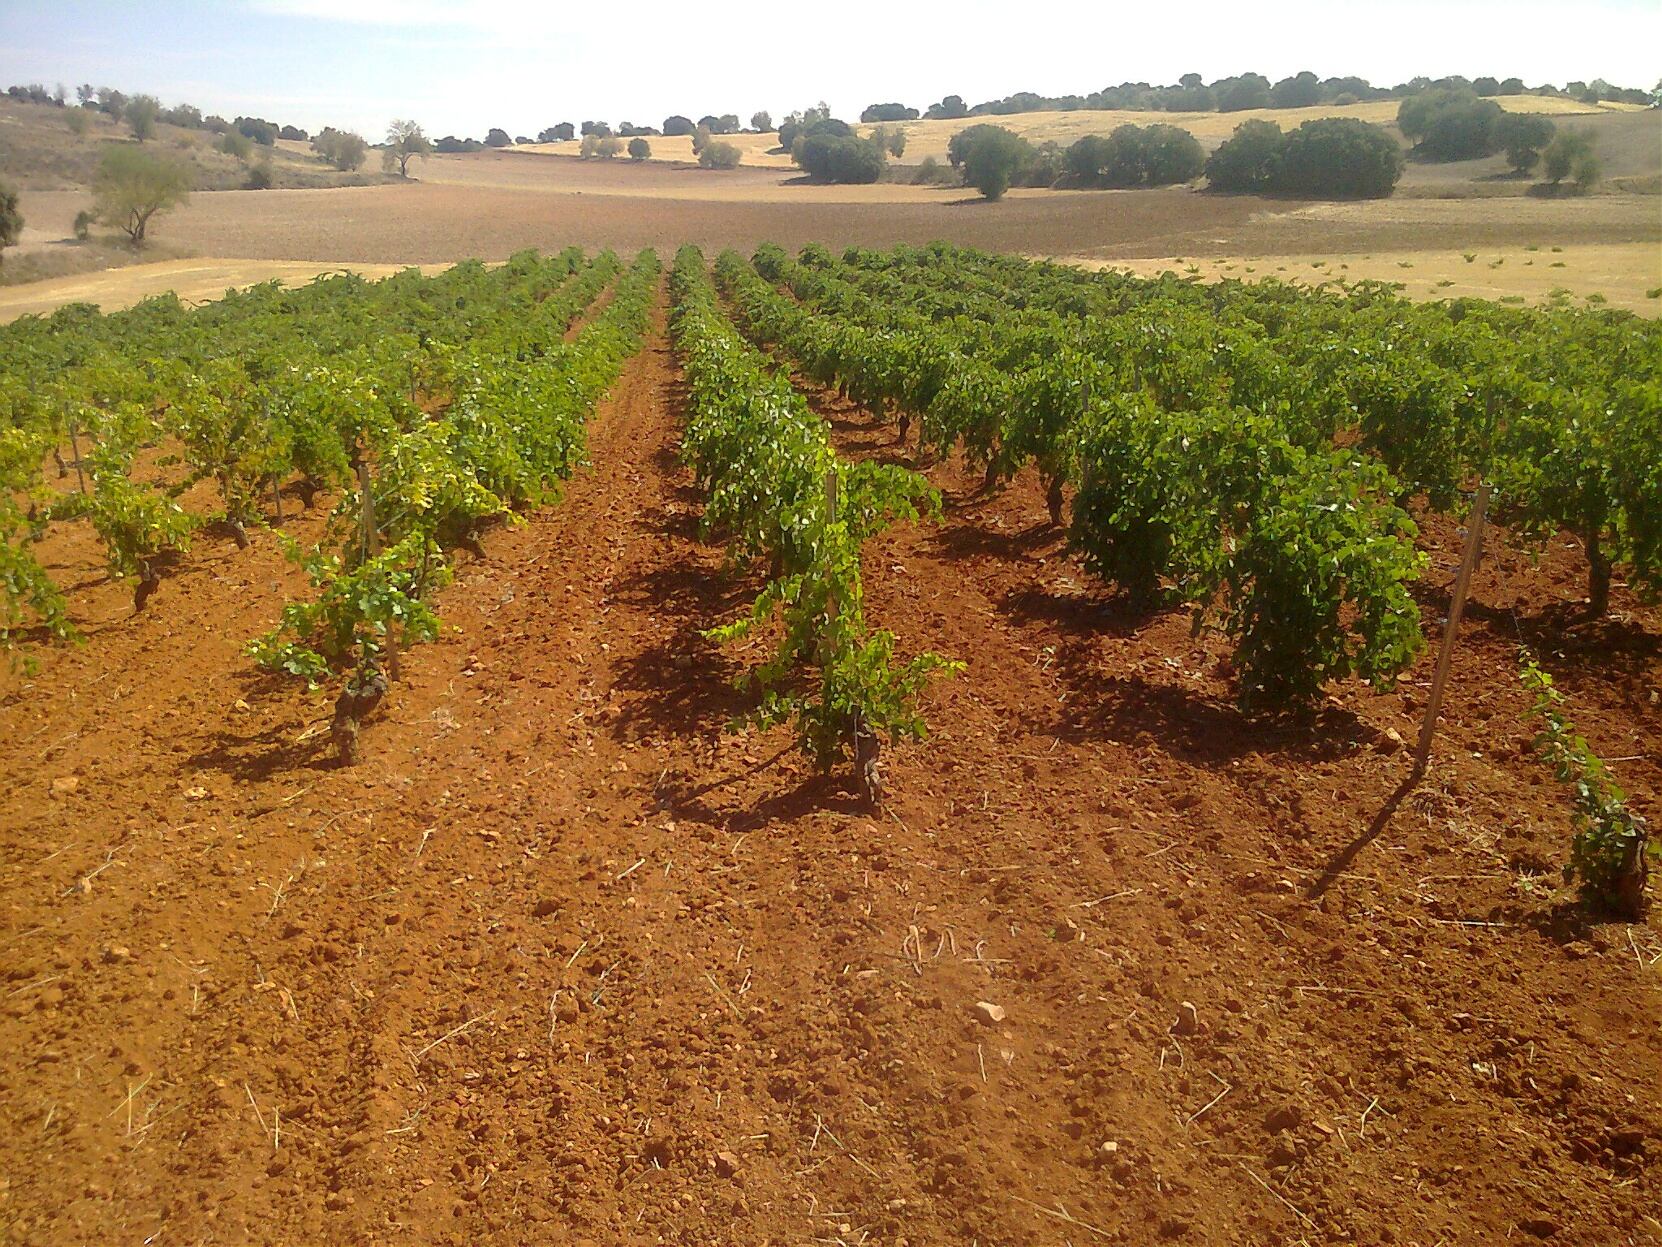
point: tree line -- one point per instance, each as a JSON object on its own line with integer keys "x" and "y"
{"x": 142, "y": 112}
{"x": 1243, "y": 91}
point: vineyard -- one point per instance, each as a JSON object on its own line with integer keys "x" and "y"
{"x": 890, "y": 747}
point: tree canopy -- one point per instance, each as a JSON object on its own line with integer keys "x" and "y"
{"x": 992, "y": 157}
{"x": 405, "y": 141}
{"x": 133, "y": 185}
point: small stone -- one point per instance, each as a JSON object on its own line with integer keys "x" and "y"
{"x": 545, "y": 908}
{"x": 64, "y": 785}
{"x": 1540, "y": 1227}
{"x": 1110, "y": 1148}
{"x": 1287, "y": 1117}
{"x": 727, "y": 1165}
{"x": 117, "y": 952}
{"x": 988, "y": 1012}
{"x": 1188, "y": 1020}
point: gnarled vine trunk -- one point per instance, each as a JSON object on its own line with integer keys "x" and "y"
{"x": 356, "y": 702}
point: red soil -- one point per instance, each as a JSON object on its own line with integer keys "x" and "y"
{"x": 564, "y": 963}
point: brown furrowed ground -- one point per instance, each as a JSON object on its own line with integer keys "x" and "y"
{"x": 491, "y": 204}
{"x": 562, "y": 962}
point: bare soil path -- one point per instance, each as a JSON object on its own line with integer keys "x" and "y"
{"x": 562, "y": 962}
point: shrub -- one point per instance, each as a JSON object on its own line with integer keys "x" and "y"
{"x": 601, "y": 147}
{"x": 1046, "y": 167}
{"x": 84, "y": 220}
{"x": 1247, "y": 91}
{"x": 931, "y": 172}
{"x": 1157, "y": 155}
{"x": 1300, "y": 91}
{"x": 78, "y": 120}
{"x": 141, "y": 114}
{"x": 11, "y": 219}
{"x": 839, "y": 158}
{"x": 1586, "y": 175}
{"x": 888, "y": 112}
{"x": 1450, "y": 124}
{"x": 236, "y": 143}
{"x": 719, "y": 155}
{"x": 259, "y": 177}
{"x": 291, "y": 134}
{"x": 258, "y": 130}
{"x": 1173, "y": 155}
{"x": 700, "y": 139}
{"x": 639, "y": 149}
{"x": 1568, "y": 152}
{"x": 133, "y": 185}
{"x": 1522, "y": 136}
{"x": 1339, "y": 158}
{"x": 891, "y": 140}
{"x": 1249, "y": 160}
{"x": 342, "y": 148}
{"x": 960, "y": 143}
{"x": 992, "y": 158}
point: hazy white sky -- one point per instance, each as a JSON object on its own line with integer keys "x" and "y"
{"x": 523, "y": 65}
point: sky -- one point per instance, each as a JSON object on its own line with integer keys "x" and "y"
{"x": 523, "y": 65}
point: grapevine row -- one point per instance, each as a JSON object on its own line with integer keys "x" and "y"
{"x": 777, "y": 491}
{"x": 1560, "y": 410}
{"x": 1298, "y": 550}
{"x": 513, "y": 429}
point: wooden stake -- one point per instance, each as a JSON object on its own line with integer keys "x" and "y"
{"x": 830, "y": 519}
{"x": 1457, "y": 607}
{"x": 75, "y": 449}
{"x": 372, "y": 547}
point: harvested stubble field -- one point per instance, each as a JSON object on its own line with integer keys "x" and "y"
{"x": 563, "y": 962}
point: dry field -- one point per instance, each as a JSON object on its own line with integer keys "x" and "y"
{"x": 1622, "y": 275}
{"x": 490, "y": 204}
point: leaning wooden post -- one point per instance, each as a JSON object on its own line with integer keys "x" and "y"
{"x": 75, "y": 449}
{"x": 1457, "y": 607}
{"x": 372, "y": 547}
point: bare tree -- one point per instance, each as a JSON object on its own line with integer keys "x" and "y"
{"x": 405, "y": 141}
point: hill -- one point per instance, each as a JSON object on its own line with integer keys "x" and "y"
{"x": 39, "y": 152}
{"x": 1633, "y": 151}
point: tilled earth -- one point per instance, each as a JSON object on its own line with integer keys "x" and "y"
{"x": 564, "y": 962}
